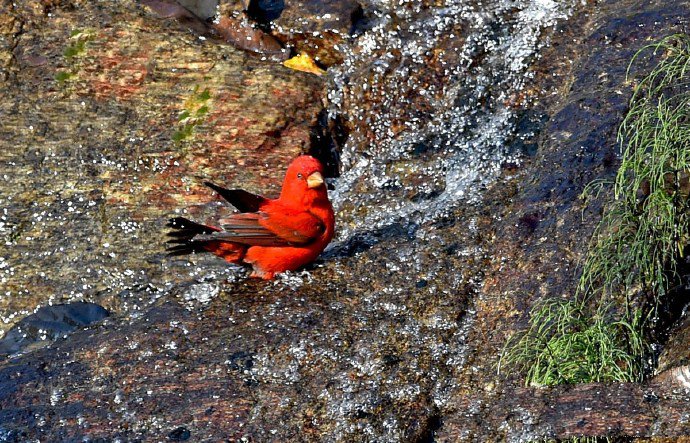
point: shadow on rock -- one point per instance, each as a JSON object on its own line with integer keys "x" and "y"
{"x": 49, "y": 323}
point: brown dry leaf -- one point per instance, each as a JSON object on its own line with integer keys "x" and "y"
{"x": 303, "y": 62}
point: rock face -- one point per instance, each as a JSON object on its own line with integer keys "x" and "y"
{"x": 113, "y": 118}
{"x": 318, "y": 28}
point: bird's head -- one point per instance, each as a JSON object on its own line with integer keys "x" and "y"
{"x": 304, "y": 180}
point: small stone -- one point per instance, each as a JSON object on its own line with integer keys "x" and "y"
{"x": 179, "y": 434}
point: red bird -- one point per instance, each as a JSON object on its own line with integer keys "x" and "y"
{"x": 270, "y": 235}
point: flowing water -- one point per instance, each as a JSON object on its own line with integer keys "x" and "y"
{"x": 435, "y": 95}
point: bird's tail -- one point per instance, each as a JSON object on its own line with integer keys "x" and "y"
{"x": 182, "y": 240}
{"x": 182, "y": 236}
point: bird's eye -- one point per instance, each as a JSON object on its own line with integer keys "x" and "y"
{"x": 299, "y": 176}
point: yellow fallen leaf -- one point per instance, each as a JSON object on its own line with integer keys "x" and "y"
{"x": 303, "y": 62}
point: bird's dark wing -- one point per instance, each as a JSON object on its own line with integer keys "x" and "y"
{"x": 268, "y": 229}
{"x": 244, "y": 201}
{"x": 245, "y": 229}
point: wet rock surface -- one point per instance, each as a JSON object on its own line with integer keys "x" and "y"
{"x": 49, "y": 323}
{"x": 395, "y": 333}
{"x": 317, "y": 28}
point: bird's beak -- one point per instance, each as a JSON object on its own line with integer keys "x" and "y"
{"x": 315, "y": 180}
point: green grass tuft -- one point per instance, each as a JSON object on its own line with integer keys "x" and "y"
{"x": 568, "y": 343}
{"x": 646, "y": 226}
{"x": 600, "y": 335}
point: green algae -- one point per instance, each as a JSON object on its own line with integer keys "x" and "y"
{"x": 196, "y": 109}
